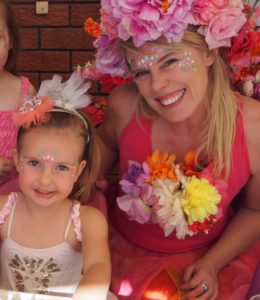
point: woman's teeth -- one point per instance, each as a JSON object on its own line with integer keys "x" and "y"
{"x": 172, "y": 100}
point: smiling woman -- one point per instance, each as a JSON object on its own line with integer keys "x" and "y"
{"x": 186, "y": 144}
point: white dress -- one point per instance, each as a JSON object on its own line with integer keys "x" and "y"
{"x": 55, "y": 270}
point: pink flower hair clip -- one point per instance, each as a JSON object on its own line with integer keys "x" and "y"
{"x": 33, "y": 111}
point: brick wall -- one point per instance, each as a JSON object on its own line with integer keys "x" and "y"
{"x": 55, "y": 42}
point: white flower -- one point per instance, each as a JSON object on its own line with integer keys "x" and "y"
{"x": 169, "y": 213}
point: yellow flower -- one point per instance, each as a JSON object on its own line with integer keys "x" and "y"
{"x": 200, "y": 199}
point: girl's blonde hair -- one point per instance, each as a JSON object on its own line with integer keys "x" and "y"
{"x": 222, "y": 107}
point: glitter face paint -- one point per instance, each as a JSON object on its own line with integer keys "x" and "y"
{"x": 27, "y": 164}
{"x": 144, "y": 61}
{"x": 186, "y": 62}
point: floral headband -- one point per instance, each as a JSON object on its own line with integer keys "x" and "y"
{"x": 147, "y": 20}
{"x": 55, "y": 96}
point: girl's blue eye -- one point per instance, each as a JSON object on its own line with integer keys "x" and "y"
{"x": 62, "y": 168}
{"x": 34, "y": 163}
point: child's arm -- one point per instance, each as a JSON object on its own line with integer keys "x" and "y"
{"x": 96, "y": 257}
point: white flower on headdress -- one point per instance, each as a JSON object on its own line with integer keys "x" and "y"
{"x": 70, "y": 95}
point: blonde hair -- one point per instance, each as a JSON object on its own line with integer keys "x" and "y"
{"x": 222, "y": 107}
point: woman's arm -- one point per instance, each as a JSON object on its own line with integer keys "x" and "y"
{"x": 244, "y": 228}
{"x": 96, "y": 257}
{"x": 121, "y": 105}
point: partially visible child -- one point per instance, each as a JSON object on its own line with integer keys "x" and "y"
{"x": 50, "y": 242}
{"x": 13, "y": 89}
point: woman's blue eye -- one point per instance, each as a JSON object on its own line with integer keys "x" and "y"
{"x": 140, "y": 74}
{"x": 169, "y": 62}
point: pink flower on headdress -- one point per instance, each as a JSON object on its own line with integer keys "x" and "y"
{"x": 145, "y": 20}
{"x": 224, "y": 25}
{"x": 110, "y": 57}
{"x": 109, "y": 23}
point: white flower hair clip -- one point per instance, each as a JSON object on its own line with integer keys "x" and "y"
{"x": 52, "y": 96}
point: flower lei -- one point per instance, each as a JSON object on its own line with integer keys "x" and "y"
{"x": 180, "y": 197}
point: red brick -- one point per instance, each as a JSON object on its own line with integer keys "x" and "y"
{"x": 72, "y": 38}
{"x": 26, "y": 16}
{"x": 79, "y": 13}
{"x": 44, "y": 61}
{"x": 29, "y": 38}
{"x": 56, "y": 42}
{"x": 48, "y": 76}
{"x": 81, "y": 57}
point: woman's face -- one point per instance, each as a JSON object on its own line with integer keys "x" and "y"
{"x": 173, "y": 82}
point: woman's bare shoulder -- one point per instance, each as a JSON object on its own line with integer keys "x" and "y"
{"x": 124, "y": 96}
{"x": 251, "y": 114}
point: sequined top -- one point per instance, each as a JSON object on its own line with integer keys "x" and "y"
{"x": 55, "y": 270}
{"x": 8, "y": 133}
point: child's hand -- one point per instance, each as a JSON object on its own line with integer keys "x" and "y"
{"x": 6, "y": 167}
{"x": 200, "y": 281}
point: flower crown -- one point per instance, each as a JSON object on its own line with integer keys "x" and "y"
{"x": 217, "y": 20}
{"x": 55, "y": 96}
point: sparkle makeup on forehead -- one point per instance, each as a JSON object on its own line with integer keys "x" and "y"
{"x": 46, "y": 157}
{"x": 21, "y": 164}
{"x": 148, "y": 60}
{"x": 186, "y": 62}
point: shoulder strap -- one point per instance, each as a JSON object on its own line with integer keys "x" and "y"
{"x": 25, "y": 87}
{"x": 7, "y": 210}
{"x": 7, "y": 207}
{"x": 75, "y": 216}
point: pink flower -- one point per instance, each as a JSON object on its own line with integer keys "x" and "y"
{"x": 135, "y": 208}
{"x": 222, "y": 27}
{"x": 204, "y": 11}
{"x": 110, "y": 24}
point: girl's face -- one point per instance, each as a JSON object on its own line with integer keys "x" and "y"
{"x": 173, "y": 82}
{"x": 4, "y": 40}
{"x": 49, "y": 163}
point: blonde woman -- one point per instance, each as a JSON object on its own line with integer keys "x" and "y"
{"x": 187, "y": 144}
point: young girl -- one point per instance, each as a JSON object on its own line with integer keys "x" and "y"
{"x": 51, "y": 244}
{"x": 13, "y": 90}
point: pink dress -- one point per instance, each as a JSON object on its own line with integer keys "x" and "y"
{"x": 141, "y": 252}
{"x": 8, "y": 134}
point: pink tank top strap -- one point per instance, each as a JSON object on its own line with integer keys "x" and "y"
{"x": 75, "y": 216}
{"x": 6, "y": 210}
{"x": 25, "y": 87}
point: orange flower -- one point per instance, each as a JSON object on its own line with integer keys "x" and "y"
{"x": 165, "y": 4}
{"x": 92, "y": 28}
{"x": 161, "y": 166}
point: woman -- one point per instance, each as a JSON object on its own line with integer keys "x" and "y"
{"x": 180, "y": 103}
